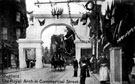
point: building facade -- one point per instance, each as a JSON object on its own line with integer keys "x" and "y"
{"x": 13, "y": 24}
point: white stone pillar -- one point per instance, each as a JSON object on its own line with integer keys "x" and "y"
{"x": 39, "y": 58}
{"x": 22, "y": 60}
{"x": 78, "y": 53}
{"x": 116, "y": 65}
{"x": 97, "y": 49}
{"x": 93, "y": 47}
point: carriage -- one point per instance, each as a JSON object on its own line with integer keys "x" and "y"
{"x": 59, "y": 50}
{"x": 58, "y": 62}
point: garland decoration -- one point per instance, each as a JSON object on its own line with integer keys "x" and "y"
{"x": 83, "y": 41}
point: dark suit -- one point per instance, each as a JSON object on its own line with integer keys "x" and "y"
{"x": 88, "y": 66}
{"x": 83, "y": 73}
{"x": 75, "y": 66}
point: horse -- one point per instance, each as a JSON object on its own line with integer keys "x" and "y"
{"x": 58, "y": 62}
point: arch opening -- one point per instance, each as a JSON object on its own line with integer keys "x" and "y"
{"x": 58, "y": 39}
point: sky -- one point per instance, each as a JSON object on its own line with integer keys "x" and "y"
{"x": 46, "y": 36}
{"x": 46, "y": 8}
{"x": 75, "y": 8}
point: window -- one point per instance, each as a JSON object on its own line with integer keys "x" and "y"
{"x": 18, "y": 32}
{"x": 18, "y": 16}
{"x": 4, "y": 33}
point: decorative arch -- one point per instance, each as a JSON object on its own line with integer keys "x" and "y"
{"x": 34, "y": 36}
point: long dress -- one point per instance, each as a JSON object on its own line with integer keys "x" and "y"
{"x": 133, "y": 72}
{"x": 103, "y": 72}
{"x": 133, "y": 69}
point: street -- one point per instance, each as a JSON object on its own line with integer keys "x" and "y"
{"x": 45, "y": 75}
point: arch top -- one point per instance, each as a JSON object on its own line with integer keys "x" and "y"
{"x": 56, "y": 24}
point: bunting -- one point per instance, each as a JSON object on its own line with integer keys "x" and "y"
{"x": 74, "y": 22}
{"x": 41, "y": 22}
{"x": 31, "y": 12}
{"x": 31, "y": 18}
{"x": 126, "y": 34}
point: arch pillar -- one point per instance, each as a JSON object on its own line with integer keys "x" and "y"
{"x": 78, "y": 54}
{"x": 39, "y": 58}
{"x": 30, "y": 44}
{"x": 22, "y": 62}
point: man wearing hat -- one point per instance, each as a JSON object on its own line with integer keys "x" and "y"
{"x": 75, "y": 66}
{"x": 103, "y": 71}
{"x": 83, "y": 71}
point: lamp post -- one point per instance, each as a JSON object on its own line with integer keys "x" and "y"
{"x": 2, "y": 55}
{"x": 1, "y": 48}
{"x": 1, "y": 40}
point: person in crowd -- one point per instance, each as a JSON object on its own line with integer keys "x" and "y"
{"x": 92, "y": 61}
{"x": 133, "y": 71}
{"x": 83, "y": 71}
{"x": 75, "y": 66}
{"x": 80, "y": 61}
{"x": 17, "y": 61}
{"x": 88, "y": 67}
{"x": 30, "y": 58}
{"x": 103, "y": 71}
{"x": 127, "y": 64}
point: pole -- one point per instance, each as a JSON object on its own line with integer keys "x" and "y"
{"x": 97, "y": 26}
{"x": 2, "y": 54}
{"x": 68, "y": 1}
{"x": 93, "y": 47}
{"x": 97, "y": 49}
{"x": 2, "y": 43}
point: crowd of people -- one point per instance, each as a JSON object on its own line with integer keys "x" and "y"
{"x": 89, "y": 65}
